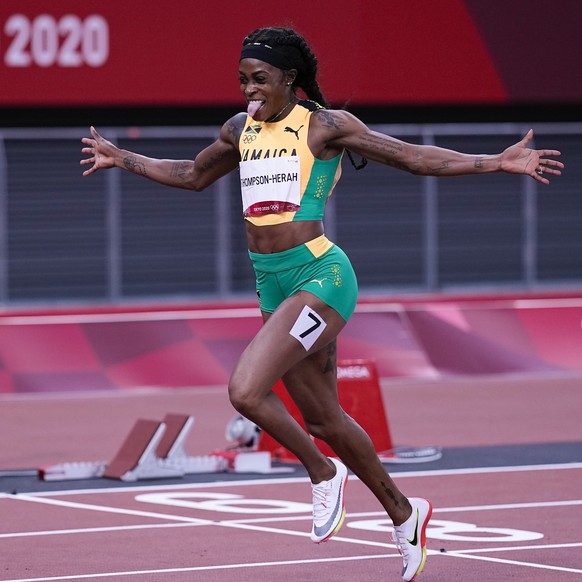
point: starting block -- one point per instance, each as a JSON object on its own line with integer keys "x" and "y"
{"x": 70, "y": 471}
{"x": 152, "y": 450}
{"x": 137, "y": 458}
{"x": 155, "y": 450}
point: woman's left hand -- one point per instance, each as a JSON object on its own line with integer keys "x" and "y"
{"x": 520, "y": 159}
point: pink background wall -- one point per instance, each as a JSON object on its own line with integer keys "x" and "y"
{"x": 197, "y": 346}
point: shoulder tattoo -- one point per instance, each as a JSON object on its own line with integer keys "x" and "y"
{"x": 329, "y": 119}
{"x": 234, "y": 127}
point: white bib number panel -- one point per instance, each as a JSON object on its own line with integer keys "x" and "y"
{"x": 270, "y": 186}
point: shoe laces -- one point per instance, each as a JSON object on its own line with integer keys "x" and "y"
{"x": 320, "y": 496}
{"x": 399, "y": 537}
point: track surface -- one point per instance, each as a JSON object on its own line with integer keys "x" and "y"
{"x": 507, "y": 492}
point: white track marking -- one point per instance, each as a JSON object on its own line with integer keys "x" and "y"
{"x": 517, "y": 548}
{"x": 512, "y": 562}
{"x": 207, "y": 568}
{"x": 292, "y": 563}
{"x": 253, "y": 525}
{"x": 257, "y": 524}
{"x": 90, "y": 530}
{"x": 290, "y": 480}
{"x": 106, "y": 509}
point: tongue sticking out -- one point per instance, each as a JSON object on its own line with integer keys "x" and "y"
{"x": 253, "y": 107}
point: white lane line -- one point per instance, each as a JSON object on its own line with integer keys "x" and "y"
{"x": 176, "y": 487}
{"x": 530, "y": 505}
{"x": 512, "y": 562}
{"x": 290, "y": 480}
{"x": 207, "y": 568}
{"x": 518, "y": 548}
{"x": 118, "y": 510}
{"x": 85, "y": 530}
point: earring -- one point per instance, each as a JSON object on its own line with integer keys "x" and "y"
{"x": 288, "y": 84}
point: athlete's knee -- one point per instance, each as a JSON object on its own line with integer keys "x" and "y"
{"x": 243, "y": 395}
{"x": 239, "y": 398}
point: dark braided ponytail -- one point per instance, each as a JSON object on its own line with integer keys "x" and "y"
{"x": 290, "y": 43}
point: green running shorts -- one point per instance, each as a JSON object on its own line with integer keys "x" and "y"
{"x": 329, "y": 275}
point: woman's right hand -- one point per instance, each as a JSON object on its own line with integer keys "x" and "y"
{"x": 102, "y": 153}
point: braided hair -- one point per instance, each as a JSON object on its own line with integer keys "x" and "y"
{"x": 290, "y": 43}
{"x": 298, "y": 52}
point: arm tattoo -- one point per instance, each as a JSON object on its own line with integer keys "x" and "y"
{"x": 234, "y": 131}
{"x": 180, "y": 170}
{"x": 131, "y": 163}
{"x": 213, "y": 161}
{"x": 444, "y": 165}
{"x": 382, "y": 144}
{"x": 329, "y": 120}
{"x": 478, "y": 162}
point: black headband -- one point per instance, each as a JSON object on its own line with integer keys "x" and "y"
{"x": 267, "y": 54}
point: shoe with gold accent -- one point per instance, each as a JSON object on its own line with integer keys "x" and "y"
{"x": 410, "y": 538}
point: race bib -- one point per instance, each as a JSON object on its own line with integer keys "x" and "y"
{"x": 270, "y": 186}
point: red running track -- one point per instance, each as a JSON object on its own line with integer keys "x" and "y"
{"x": 517, "y": 523}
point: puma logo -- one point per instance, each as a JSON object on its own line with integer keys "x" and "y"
{"x": 320, "y": 281}
{"x": 291, "y": 130}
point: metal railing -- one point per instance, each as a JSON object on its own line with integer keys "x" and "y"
{"x": 28, "y": 271}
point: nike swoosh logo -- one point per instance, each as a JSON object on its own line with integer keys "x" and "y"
{"x": 414, "y": 540}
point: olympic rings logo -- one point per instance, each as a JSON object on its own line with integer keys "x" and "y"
{"x": 249, "y": 138}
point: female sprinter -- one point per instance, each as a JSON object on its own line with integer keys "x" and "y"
{"x": 289, "y": 153}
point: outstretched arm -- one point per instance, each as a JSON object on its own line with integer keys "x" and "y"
{"x": 340, "y": 129}
{"x": 213, "y": 162}
{"x": 520, "y": 159}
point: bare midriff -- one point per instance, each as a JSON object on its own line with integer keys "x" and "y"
{"x": 276, "y": 238}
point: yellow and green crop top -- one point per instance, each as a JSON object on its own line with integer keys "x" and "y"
{"x": 281, "y": 180}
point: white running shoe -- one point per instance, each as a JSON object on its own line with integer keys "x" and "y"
{"x": 410, "y": 538}
{"x": 328, "y": 504}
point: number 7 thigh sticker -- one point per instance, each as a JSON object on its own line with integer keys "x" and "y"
{"x": 308, "y": 327}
